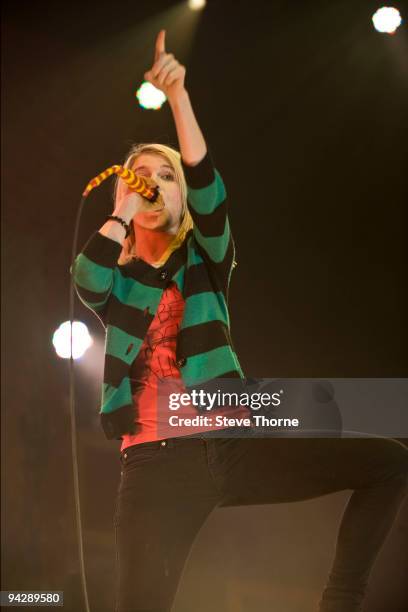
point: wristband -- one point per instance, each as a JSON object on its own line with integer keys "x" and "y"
{"x": 121, "y": 221}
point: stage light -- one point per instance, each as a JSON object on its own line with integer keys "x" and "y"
{"x": 386, "y": 19}
{"x": 196, "y": 5}
{"x": 150, "y": 97}
{"x": 81, "y": 340}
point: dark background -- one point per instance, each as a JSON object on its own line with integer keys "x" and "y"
{"x": 303, "y": 106}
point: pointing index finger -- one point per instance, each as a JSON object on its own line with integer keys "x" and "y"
{"x": 160, "y": 44}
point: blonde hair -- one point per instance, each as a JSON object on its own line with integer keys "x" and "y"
{"x": 173, "y": 157}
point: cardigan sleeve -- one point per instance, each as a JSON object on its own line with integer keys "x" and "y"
{"x": 92, "y": 271}
{"x": 208, "y": 206}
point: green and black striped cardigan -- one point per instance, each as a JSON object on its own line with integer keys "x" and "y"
{"x": 125, "y": 299}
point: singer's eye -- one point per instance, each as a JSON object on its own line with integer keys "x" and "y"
{"x": 170, "y": 177}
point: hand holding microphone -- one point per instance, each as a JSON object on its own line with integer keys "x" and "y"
{"x": 129, "y": 202}
{"x": 134, "y": 194}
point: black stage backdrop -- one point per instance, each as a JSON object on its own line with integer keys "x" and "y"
{"x": 303, "y": 99}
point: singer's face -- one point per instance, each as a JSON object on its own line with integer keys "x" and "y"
{"x": 159, "y": 169}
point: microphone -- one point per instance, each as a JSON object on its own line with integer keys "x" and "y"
{"x": 135, "y": 183}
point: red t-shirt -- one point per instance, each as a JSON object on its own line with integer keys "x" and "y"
{"x": 156, "y": 361}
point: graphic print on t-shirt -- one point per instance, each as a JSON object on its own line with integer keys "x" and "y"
{"x": 156, "y": 358}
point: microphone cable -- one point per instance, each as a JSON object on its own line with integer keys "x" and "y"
{"x": 74, "y": 451}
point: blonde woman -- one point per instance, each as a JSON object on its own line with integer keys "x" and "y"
{"x": 159, "y": 280}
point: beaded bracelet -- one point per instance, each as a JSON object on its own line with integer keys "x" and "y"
{"x": 121, "y": 221}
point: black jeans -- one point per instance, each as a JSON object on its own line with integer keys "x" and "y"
{"x": 168, "y": 489}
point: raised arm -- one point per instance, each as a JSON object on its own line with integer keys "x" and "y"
{"x": 168, "y": 75}
{"x": 207, "y": 198}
